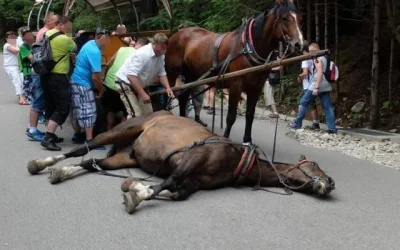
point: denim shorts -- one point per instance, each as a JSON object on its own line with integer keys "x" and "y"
{"x": 34, "y": 92}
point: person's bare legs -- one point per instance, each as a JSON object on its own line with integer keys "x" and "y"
{"x": 211, "y": 99}
{"x": 89, "y": 133}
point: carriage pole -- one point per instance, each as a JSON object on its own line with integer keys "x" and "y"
{"x": 245, "y": 71}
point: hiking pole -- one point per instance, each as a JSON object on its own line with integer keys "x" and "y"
{"x": 276, "y": 129}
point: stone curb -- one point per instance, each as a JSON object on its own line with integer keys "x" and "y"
{"x": 370, "y": 134}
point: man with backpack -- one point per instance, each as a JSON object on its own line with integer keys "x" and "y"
{"x": 53, "y": 64}
{"x": 305, "y": 78}
{"x": 321, "y": 87}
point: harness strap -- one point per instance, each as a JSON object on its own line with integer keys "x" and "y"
{"x": 216, "y": 50}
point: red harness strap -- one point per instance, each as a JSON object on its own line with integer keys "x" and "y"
{"x": 242, "y": 168}
{"x": 240, "y": 165}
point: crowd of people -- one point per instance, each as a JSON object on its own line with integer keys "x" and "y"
{"x": 77, "y": 82}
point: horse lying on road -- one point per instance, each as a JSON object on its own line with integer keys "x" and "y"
{"x": 189, "y": 156}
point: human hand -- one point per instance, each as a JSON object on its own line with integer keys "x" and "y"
{"x": 315, "y": 92}
{"x": 170, "y": 93}
{"x": 145, "y": 97}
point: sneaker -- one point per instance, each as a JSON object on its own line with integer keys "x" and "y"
{"x": 35, "y": 136}
{"x": 27, "y": 132}
{"x": 331, "y": 132}
{"x": 49, "y": 144}
{"x": 293, "y": 125}
{"x": 211, "y": 111}
{"x": 315, "y": 126}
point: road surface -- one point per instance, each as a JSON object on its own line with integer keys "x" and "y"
{"x": 86, "y": 212}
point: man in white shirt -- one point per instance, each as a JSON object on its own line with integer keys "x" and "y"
{"x": 305, "y": 77}
{"x": 139, "y": 70}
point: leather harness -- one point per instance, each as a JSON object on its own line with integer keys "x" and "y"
{"x": 243, "y": 168}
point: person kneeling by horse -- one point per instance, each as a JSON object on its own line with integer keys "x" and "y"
{"x": 138, "y": 72}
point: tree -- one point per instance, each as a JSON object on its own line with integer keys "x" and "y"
{"x": 316, "y": 22}
{"x": 374, "y": 112}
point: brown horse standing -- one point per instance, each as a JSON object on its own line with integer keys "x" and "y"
{"x": 194, "y": 51}
{"x": 162, "y": 143}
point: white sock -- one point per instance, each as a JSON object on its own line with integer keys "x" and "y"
{"x": 315, "y": 121}
{"x": 32, "y": 129}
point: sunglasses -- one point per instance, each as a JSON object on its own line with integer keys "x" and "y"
{"x": 24, "y": 32}
{"x": 103, "y": 32}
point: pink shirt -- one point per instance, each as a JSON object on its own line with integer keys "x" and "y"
{"x": 40, "y": 33}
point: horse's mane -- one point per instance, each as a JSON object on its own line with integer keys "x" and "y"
{"x": 283, "y": 8}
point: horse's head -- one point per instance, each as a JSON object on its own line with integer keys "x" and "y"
{"x": 287, "y": 24}
{"x": 307, "y": 174}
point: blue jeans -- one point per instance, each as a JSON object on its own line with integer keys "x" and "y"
{"x": 305, "y": 102}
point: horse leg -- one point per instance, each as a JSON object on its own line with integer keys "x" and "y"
{"x": 183, "y": 101}
{"x": 109, "y": 137}
{"x": 136, "y": 192}
{"x": 252, "y": 99}
{"x": 234, "y": 95}
{"x": 118, "y": 161}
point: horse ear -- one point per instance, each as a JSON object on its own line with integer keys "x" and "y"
{"x": 302, "y": 158}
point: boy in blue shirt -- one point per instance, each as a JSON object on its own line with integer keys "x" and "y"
{"x": 87, "y": 83}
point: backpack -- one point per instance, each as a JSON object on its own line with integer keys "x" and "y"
{"x": 274, "y": 77}
{"x": 331, "y": 72}
{"x": 43, "y": 62}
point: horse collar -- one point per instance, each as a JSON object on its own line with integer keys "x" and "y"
{"x": 248, "y": 43}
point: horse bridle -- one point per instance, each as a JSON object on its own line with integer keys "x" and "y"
{"x": 313, "y": 179}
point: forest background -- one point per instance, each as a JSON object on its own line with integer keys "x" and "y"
{"x": 362, "y": 35}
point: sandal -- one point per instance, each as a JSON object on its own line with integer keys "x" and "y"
{"x": 25, "y": 102}
{"x": 273, "y": 115}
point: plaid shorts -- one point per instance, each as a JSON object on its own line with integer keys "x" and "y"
{"x": 84, "y": 105}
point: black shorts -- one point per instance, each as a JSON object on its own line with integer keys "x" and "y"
{"x": 112, "y": 102}
{"x": 57, "y": 97}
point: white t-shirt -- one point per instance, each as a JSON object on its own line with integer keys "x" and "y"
{"x": 143, "y": 64}
{"x": 9, "y": 58}
{"x": 324, "y": 85}
{"x": 307, "y": 64}
{"x": 19, "y": 41}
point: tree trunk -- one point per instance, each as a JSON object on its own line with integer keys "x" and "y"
{"x": 337, "y": 48}
{"x": 374, "y": 112}
{"x": 390, "y": 15}
{"x": 316, "y": 22}
{"x": 326, "y": 24}
{"x": 309, "y": 21}
{"x": 391, "y": 57}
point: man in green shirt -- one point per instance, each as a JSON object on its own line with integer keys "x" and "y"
{"x": 111, "y": 100}
{"x": 31, "y": 86}
{"x": 56, "y": 86}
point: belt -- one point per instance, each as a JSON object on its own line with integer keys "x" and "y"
{"x": 118, "y": 82}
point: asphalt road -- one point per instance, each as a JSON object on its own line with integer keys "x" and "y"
{"x": 86, "y": 212}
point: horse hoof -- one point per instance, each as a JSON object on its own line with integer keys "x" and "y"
{"x": 131, "y": 201}
{"x": 35, "y": 167}
{"x": 126, "y": 184}
{"x": 56, "y": 175}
